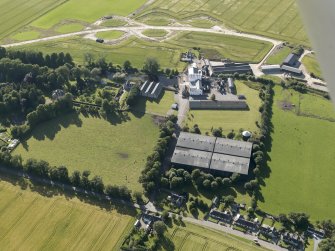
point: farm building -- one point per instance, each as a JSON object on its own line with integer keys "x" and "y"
{"x": 291, "y": 69}
{"x": 271, "y": 68}
{"x": 218, "y": 105}
{"x": 231, "y": 85}
{"x": 151, "y": 90}
{"x": 229, "y": 68}
{"x": 291, "y": 60}
{"x": 195, "y": 80}
{"x": 212, "y": 154}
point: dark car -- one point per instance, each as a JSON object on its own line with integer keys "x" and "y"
{"x": 99, "y": 40}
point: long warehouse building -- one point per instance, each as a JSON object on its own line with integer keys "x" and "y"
{"x": 212, "y": 154}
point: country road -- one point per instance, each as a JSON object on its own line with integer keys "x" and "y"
{"x": 142, "y": 27}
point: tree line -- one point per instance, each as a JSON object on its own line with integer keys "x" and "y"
{"x": 42, "y": 169}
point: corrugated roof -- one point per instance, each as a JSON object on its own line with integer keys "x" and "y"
{"x": 233, "y": 147}
{"x": 196, "y": 141}
{"x": 228, "y": 163}
{"x": 291, "y": 59}
{"x": 190, "y": 157}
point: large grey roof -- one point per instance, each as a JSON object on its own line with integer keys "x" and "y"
{"x": 291, "y": 59}
{"x": 219, "y": 154}
{"x": 233, "y": 147}
{"x": 196, "y": 141}
{"x": 228, "y": 163}
{"x": 190, "y": 157}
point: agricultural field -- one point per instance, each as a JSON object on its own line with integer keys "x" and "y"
{"x": 116, "y": 149}
{"x": 229, "y": 120}
{"x": 70, "y": 27}
{"x": 312, "y": 65}
{"x": 194, "y": 237}
{"x": 86, "y": 11}
{"x": 35, "y": 222}
{"x": 279, "y": 56}
{"x": 273, "y": 18}
{"x": 16, "y": 14}
{"x": 301, "y": 177}
{"x": 167, "y": 52}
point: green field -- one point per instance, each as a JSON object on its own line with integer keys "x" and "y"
{"x": 201, "y": 23}
{"x": 167, "y": 52}
{"x": 274, "y": 18}
{"x": 15, "y": 14}
{"x": 155, "y": 33}
{"x": 302, "y": 158}
{"x": 30, "y": 221}
{"x": 110, "y": 35}
{"x": 229, "y": 120}
{"x": 194, "y": 237}
{"x": 279, "y": 56}
{"x": 157, "y": 107}
{"x": 312, "y": 65}
{"x": 114, "y": 23}
{"x": 26, "y": 35}
{"x": 116, "y": 149}
{"x": 68, "y": 28}
{"x": 87, "y": 11}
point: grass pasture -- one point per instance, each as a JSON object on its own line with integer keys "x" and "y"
{"x": 116, "y": 149}
{"x": 279, "y": 56}
{"x": 15, "y": 14}
{"x": 194, "y": 237}
{"x": 229, "y": 120}
{"x": 114, "y": 23}
{"x": 274, "y": 18}
{"x": 312, "y": 65}
{"x": 301, "y": 158}
{"x": 157, "y": 107}
{"x": 26, "y": 35}
{"x": 155, "y": 33}
{"x": 87, "y": 11}
{"x": 70, "y": 27}
{"x": 30, "y": 221}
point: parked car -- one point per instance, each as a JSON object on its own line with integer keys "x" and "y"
{"x": 99, "y": 40}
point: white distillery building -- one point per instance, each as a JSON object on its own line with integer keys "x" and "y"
{"x": 194, "y": 78}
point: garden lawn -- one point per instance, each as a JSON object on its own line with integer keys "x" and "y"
{"x": 114, "y": 150}
{"x": 87, "y": 11}
{"x": 229, "y": 120}
{"x": 312, "y": 65}
{"x": 301, "y": 162}
{"x": 157, "y": 107}
{"x": 195, "y": 237}
{"x": 30, "y": 221}
{"x": 279, "y": 56}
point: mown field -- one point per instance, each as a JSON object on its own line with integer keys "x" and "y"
{"x": 87, "y": 11}
{"x": 194, "y": 237}
{"x": 274, "y": 18}
{"x": 229, "y": 120}
{"x": 110, "y": 35}
{"x": 302, "y": 157}
{"x": 312, "y": 65}
{"x": 167, "y": 52}
{"x": 116, "y": 149}
{"x": 155, "y": 33}
{"x": 30, "y": 221}
{"x": 15, "y": 14}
